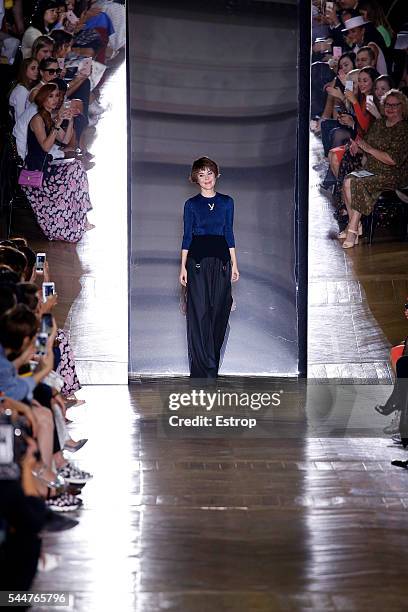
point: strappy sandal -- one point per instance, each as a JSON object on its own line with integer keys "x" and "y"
{"x": 343, "y": 234}
{"x": 347, "y": 244}
{"x": 58, "y": 483}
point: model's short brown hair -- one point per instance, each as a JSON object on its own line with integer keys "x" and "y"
{"x": 202, "y": 164}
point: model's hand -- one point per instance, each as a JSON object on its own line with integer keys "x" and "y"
{"x": 183, "y": 276}
{"x": 234, "y": 273}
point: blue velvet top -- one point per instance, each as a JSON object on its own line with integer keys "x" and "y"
{"x": 209, "y": 217}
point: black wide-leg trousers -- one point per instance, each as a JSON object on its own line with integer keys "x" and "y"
{"x": 209, "y": 302}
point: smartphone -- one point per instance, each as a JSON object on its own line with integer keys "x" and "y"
{"x": 47, "y": 290}
{"x": 41, "y": 344}
{"x": 67, "y": 104}
{"x": 349, "y": 86}
{"x": 40, "y": 262}
{"x": 370, "y": 99}
{"x": 85, "y": 65}
{"x": 6, "y": 444}
{"x": 46, "y": 324}
{"x": 72, "y": 18}
{"x": 61, "y": 62}
{"x": 329, "y": 6}
{"x": 337, "y": 52}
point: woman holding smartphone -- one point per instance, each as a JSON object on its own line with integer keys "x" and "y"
{"x": 208, "y": 265}
{"x": 42, "y": 22}
{"x": 62, "y": 202}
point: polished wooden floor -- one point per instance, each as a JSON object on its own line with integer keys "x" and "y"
{"x": 233, "y": 524}
{"x": 91, "y": 276}
{"x": 356, "y": 297}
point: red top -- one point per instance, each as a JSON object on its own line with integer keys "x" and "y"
{"x": 364, "y": 118}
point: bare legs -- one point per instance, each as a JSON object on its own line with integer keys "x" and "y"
{"x": 354, "y": 217}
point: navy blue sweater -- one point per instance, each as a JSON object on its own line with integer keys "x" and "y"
{"x": 209, "y": 217}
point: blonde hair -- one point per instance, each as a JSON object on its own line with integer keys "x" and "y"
{"x": 396, "y": 93}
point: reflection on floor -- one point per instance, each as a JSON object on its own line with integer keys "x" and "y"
{"x": 234, "y": 524}
{"x": 356, "y": 298}
{"x": 91, "y": 276}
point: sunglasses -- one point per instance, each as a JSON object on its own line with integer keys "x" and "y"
{"x": 388, "y": 105}
{"x": 53, "y": 70}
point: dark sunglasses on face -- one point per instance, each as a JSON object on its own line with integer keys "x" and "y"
{"x": 53, "y": 70}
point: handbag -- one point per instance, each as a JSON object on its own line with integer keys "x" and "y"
{"x": 31, "y": 178}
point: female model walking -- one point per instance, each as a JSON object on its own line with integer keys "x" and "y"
{"x": 208, "y": 265}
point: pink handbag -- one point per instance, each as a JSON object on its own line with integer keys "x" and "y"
{"x": 31, "y": 178}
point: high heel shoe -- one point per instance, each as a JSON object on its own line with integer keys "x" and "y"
{"x": 75, "y": 447}
{"x": 57, "y": 483}
{"x": 347, "y": 244}
{"x": 343, "y": 234}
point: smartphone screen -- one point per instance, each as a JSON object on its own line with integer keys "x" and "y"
{"x": 6, "y": 444}
{"x": 349, "y": 86}
{"x": 41, "y": 344}
{"x": 337, "y": 52}
{"x": 46, "y": 324}
{"x": 40, "y": 261}
{"x": 47, "y": 290}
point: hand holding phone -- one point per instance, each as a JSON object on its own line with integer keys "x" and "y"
{"x": 40, "y": 262}
{"x": 72, "y": 18}
{"x": 47, "y": 290}
{"x": 85, "y": 66}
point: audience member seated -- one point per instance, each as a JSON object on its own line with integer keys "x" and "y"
{"x": 26, "y": 80}
{"x": 329, "y": 120}
{"x": 365, "y": 57}
{"x": 62, "y": 203}
{"x": 373, "y": 12}
{"x": 8, "y": 44}
{"x": 359, "y": 120}
{"x": 92, "y": 32}
{"x": 49, "y": 70}
{"x": 42, "y": 23}
{"x": 42, "y": 48}
{"x": 362, "y": 34}
{"x": 385, "y": 154}
{"x": 75, "y": 77}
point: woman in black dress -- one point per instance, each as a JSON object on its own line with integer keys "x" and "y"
{"x": 208, "y": 265}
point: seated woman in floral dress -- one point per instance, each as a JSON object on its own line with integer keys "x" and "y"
{"x": 62, "y": 202}
{"x": 385, "y": 153}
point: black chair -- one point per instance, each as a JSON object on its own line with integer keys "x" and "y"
{"x": 11, "y": 195}
{"x": 389, "y": 210}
